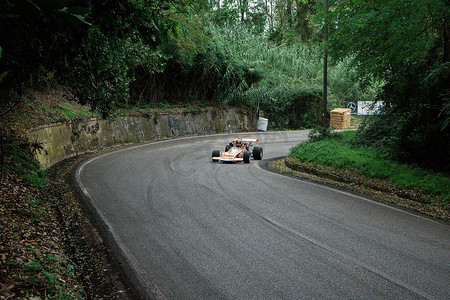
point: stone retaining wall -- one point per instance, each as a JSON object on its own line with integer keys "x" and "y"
{"x": 63, "y": 140}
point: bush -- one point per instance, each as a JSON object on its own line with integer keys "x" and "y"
{"x": 286, "y": 80}
{"x": 110, "y": 62}
{"x": 19, "y": 159}
{"x": 408, "y": 136}
{"x": 320, "y": 133}
{"x": 341, "y": 152}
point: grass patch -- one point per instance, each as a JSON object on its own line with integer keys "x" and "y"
{"x": 43, "y": 276}
{"x": 22, "y": 162}
{"x": 338, "y": 151}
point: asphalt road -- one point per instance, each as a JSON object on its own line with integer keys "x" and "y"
{"x": 194, "y": 229}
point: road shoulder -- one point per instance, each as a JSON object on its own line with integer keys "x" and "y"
{"x": 379, "y": 190}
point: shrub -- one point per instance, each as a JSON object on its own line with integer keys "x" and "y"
{"x": 340, "y": 151}
{"x": 110, "y": 63}
{"x": 319, "y": 133}
{"x": 21, "y": 160}
{"x": 286, "y": 80}
{"x": 412, "y": 136}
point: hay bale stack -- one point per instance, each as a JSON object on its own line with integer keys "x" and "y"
{"x": 340, "y": 118}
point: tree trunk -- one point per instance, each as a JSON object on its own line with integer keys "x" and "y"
{"x": 303, "y": 28}
{"x": 446, "y": 35}
{"x": 288, "y": 13}
{"x": 269, "y": 13}
{"x": 244, "y": 10}
{"x": 2, "y": 159}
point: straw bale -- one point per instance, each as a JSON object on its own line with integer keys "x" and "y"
{"x": 340, "y": 118}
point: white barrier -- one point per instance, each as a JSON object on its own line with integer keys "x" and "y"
{"x": 262, "y": 124}
{"x": 369, "y": 107}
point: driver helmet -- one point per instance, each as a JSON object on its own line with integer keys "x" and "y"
{"x": 238, "y": 142}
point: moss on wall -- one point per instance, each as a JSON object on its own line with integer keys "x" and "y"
{"x": 63, "y": 140}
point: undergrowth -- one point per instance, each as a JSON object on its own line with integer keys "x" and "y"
{"x": 32, "y": 265}
{"x": 339, "y": 151}
{"x": 285, "y": 79}
{"x": 43, "y": 275}
{"x": 20, "y": 161}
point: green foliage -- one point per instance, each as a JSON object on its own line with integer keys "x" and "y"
{"x": 284, "y": 21}
{"x": 20, "y": 160}
{"x": 39, "y": 32}
{"x": 140, "y": 52}
{"x": 339, "y": 151}
{"x": 383, "y": 35}
{"x": 320, "y": 133}
{"x": 228, "y": 15}
{"x": 110, "y": 61}
{"x": 402, "y": 44}
{"x": 285, "y": 79}
{"x": 37, "y": 208}
{"x": 43, "y": 274}
{"x": 187, "y": 40}
{"x": 408, "y": 136}
{"x": 99, "y": 60}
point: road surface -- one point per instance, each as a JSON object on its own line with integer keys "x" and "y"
{"x": 192, "y": 229}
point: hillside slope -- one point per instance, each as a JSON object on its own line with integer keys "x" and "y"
{"x": 48, "y": 248}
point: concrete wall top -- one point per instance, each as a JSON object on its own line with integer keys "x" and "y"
{"x": 65, "y": 139}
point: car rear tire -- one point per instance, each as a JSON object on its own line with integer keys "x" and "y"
{"x": 257, "y": 153}
{"x": 215, "y": 153}
{"x": 246, "y": 157}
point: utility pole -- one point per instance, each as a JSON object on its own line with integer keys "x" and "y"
{"x": 325, "y": 118}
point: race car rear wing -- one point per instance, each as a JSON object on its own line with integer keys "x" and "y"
{"x": 250, "y": 141}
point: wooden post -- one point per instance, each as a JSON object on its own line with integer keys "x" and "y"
{"x": 2, "y": 162}
{"x": 325, "y": 118}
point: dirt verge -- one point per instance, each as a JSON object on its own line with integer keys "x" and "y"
{"x": 380, "y": 190}
{"x": 97, "y": 269}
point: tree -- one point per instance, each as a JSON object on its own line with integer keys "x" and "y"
{"x": 286, "y": 20}
{"x": 404, "y": 43}
{"x": 269, "y": 8}
{"x": 292, "y": 21}
{"x": 36, "y": 34}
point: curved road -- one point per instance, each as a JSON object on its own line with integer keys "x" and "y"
{"x": 193, "y": 229}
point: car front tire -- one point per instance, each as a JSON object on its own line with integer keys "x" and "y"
{"x": 215, "y": 153}
{"x": 257, "y": 153}
{"x": 246, "y": 157}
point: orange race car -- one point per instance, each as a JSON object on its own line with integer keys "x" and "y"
{"x": 239, "y": 150}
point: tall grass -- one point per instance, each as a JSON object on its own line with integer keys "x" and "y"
{"x": 339, "y": 152}
{"x": 286, "y": 79}
{"x": 22, "y": 162}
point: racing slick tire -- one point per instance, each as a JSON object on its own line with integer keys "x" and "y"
{"x": 247, "y": 157}
{"x": 257, "y": 153}
{"x": 215, "y": 153}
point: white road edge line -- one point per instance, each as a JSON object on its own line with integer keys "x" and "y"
{"x": 125, "y": 250}
{"x": 152, "y": 286}
{"x": 354, "y": 260}
{"x": 353, "y": 195}
{"x": 148, "y": 283}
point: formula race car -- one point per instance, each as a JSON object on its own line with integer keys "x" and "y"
{"x": 239, "y": 150}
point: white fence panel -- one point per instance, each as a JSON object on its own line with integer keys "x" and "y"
{"x": 369, "y": 107}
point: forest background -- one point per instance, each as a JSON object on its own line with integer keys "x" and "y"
{"x": 115, "y": 54}
{"x": 266, "y": 54}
